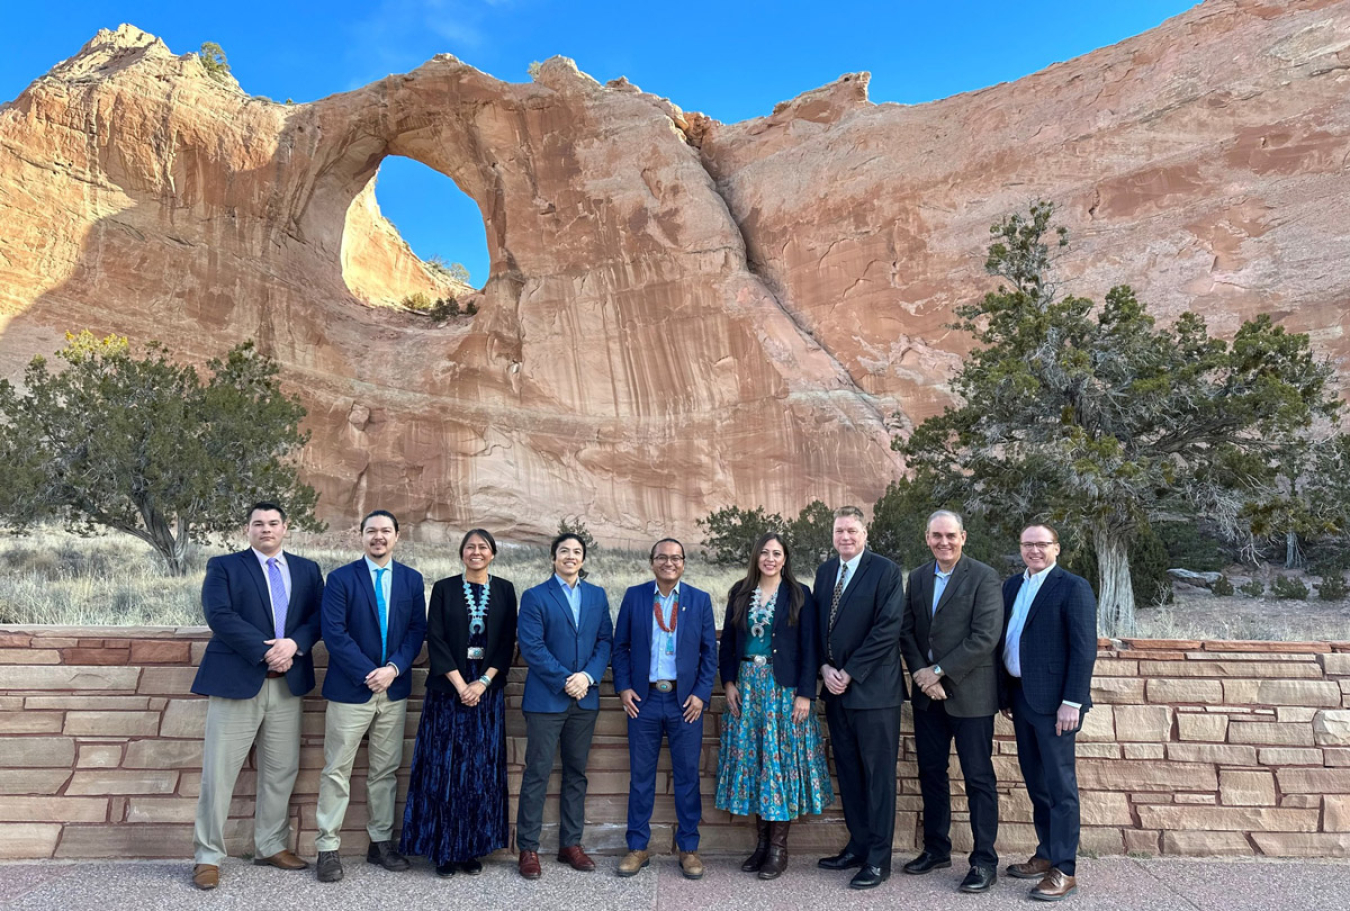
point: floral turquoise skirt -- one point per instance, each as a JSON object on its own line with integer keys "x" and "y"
{"x": 767, "y": 765}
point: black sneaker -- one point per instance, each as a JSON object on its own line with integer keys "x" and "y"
{"x": 383, "y": 853}
{"x": 447, "y": 869}
{"x": 329, "y": 867}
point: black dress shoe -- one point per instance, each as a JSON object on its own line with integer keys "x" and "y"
{"x": 446, "y": 869}
{"x": 869, "y": 877}
{"x": 979, "y": 879}
{"x": 844, "y": 860}
{"x": 472, "y": 866}
{"x": 383, "y": 853}
{"x": 925, "y": 862}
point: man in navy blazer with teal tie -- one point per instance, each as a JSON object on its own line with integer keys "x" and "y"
{"x": 564, "y": 632}
{"x": 665, "y": 657}
{"x": 374, "y": 620}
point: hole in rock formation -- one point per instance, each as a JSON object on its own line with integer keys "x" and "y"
{"x": 412, "y": 237}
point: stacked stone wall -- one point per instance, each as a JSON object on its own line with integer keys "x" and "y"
{"x": 1194, "y": 748}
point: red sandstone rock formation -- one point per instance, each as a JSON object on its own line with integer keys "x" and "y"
{"x": 681, "y": 314}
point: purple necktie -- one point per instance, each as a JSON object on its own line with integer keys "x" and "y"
{"x": 279, "y": 604}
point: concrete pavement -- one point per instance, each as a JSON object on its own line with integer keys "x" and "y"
{"x": 1106, "y": 884}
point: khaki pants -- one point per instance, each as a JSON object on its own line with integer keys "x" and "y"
{"x": 344, "y": 726}
{"x": 272, "y": 718}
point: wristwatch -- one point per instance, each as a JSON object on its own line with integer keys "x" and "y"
{"x": 937, "y": 669}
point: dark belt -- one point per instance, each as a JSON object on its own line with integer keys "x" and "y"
{"x": 756, "y": 660}
{"x": 663, "y": 686}
{"x": 272, "y": 675}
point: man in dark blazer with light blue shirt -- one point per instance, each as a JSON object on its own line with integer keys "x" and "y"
{"x": 565, "y": 633}
{"x": 1047, "y": 654}
{"x": 262, "y": 605}
{"x": 953, "y": 614}
{"x": 665, "y": 659}
{"x": 374, "y": 620}
{"x": 859, "y": 599}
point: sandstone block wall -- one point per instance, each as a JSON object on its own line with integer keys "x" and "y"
{"x": 1198, "y": 748}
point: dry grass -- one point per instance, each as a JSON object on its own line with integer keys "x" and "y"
{"x": 53, "y": 577}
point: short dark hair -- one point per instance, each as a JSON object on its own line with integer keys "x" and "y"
{"x": 1054, "y": 535}
{"x": 849, "y": 512}
{"x": 380, "y": 512}
{"x": 265, "y": 506}
{"x": 665, "y": 541}
{"x": 567, "y": 535}
{"x": 482, "y": 533}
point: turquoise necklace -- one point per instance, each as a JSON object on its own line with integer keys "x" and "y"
{"x": 477, "y": 609}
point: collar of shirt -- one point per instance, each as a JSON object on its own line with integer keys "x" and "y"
{"x": 263, "y": 558}
{"x": 666, "y": 599}
{"x": 937, "y": 570}
{"x": 852, "y": 565}
{"x": 1036, "y": 579}
{"x": 373, "y": 566}
{"x": 565, "y": 586}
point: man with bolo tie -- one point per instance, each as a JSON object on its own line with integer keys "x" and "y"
{"x": 665, "y": 658}
{"x": 859, "y": 601}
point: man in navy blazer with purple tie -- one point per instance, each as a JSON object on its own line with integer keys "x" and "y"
{"x": 665, "y": 657}
{"x": 374, "y": 620}
{"x": 262, "y": 605}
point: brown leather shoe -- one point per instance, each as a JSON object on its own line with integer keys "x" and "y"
{"x": 634, "y": 861}
{"x": 285, "y": 860}
{"x": 573, "y": 856}
{"x": 1055, "y": 887}
{"x": 1035, "y": 868}
{"x": 691, "y": 865}
{"x": 206, "y": 876}
{"x": 529, "y": 865}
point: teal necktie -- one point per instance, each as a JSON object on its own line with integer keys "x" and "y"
{"x": 383, "y": 607}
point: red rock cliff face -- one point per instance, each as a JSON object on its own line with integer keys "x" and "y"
{"x": 667, "y": 328}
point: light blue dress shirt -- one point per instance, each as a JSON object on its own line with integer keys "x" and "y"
{"x": 663, "y": 664}
{"x": 573, "y": 595}
{"x": 386, "y": 583}
{"x": 1031, "y": 584}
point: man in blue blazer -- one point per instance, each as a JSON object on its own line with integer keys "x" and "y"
{"x": 1048, "y": 651}
{"x": 262, "y": 605}
{"x": 665, "y": 656}
{"x": 564, "y": 632}
{"x": 374, "y": 620}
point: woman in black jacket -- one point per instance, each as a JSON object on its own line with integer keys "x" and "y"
{"x": 457, "y": 805}
{"x": 772, "y": 761}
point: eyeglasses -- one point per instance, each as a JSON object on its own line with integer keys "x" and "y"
{"x": 667, "y": 558}
{"x": 1039, "y": 545}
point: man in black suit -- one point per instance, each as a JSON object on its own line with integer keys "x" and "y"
{"x": 1049, "y": 649}
{"x": 953, "y": 617}
{"x": 858, "y": 599}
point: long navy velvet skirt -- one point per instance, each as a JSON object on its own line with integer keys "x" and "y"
{"x": 457, "y": 808}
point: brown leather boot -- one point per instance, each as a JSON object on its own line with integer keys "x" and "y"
{"x": 777, "y": 861}
{"x": 756, "y": 860}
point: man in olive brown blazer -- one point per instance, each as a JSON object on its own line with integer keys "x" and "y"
{"x": 952, "y": 623}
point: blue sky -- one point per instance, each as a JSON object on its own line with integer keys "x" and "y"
{"x": 731, "y": 60}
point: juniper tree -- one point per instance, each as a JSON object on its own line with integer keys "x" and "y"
{"x": 1097, "y": 419}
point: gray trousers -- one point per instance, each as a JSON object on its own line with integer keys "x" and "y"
{"x": 550, "y": 733}
{"x": 272, "y": 719}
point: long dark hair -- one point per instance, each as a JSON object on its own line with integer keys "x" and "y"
{"x": 743, "y": 590}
